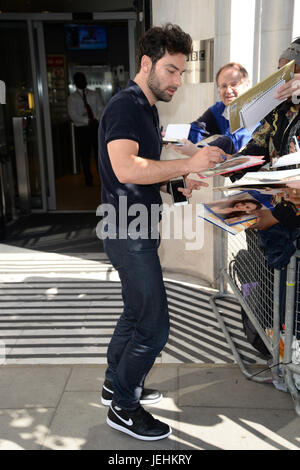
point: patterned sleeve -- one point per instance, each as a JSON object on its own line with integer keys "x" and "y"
{"x": 259, "y": 144}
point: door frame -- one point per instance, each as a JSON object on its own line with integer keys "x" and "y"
{"x": 35, "y": 28}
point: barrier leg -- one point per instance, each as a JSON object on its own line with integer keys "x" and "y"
{"x": 288, "y": 367}
{"x": 234, "y": 350}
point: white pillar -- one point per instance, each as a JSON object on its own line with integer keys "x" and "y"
{"x": 254, "y": 32}
{"x": 296, "y": 22}
{"x": 234, "y": 33}
{"x": 276, "y": 33}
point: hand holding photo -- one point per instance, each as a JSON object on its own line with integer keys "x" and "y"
{"x": 237, "y": 212}
{"x": 234, "y": 209}
{"x": 232, "y": 164}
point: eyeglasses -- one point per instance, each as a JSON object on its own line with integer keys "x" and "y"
{"x": 233, "y": 85}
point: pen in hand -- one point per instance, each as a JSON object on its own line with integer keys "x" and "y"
{"x": 204, "y": 144}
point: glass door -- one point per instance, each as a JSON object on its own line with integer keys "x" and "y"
{"x": 16, "y": 72}
{"x": 37, "y": 66}
{"x": 99, "y": 51}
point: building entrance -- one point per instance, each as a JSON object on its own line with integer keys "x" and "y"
{"x": 41, "y": 57}
{"x": 100, "y": 52}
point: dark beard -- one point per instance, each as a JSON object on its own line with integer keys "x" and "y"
{"x": 153, "y": 84}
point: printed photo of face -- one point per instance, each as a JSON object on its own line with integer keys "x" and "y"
{"x": 246, "y": 206}
{"x": 292, "y": 147}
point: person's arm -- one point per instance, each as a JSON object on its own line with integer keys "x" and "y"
{"x": 290, "y": 88}
{"x": 257, "y": 146}
{"x": 129, "y": 167}
{"x": 285, "y": 213}
{"x": 209, "y": 120}
{"x": 188, "y": 148}
{"x": 190, "y": 186}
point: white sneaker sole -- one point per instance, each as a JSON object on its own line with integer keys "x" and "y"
{"x": 137, "y": 436}
{"x": 142, "y": 402}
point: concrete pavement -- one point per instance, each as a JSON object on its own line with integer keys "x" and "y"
{"x": 209, "y": 407}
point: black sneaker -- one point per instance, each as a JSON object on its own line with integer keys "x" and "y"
{"x": 148, "y": 397}
{"x": 138, "y": 423}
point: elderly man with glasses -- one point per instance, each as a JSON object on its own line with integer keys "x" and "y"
{"x": 232, "y": 80}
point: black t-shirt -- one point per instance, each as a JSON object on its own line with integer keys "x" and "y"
{"x": 128, "y": 115}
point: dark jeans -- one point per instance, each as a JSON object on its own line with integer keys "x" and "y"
{"x": 87, "y": 138}
{"x": 143, "y": 328}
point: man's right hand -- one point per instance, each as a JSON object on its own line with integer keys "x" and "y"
{"x": 205, "y": 158}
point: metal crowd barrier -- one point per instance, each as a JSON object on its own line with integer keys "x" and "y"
{"x": 291, "y": 367}
{"x": 270, "y": 298}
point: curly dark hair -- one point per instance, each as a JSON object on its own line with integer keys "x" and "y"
{"x": 157, "y": 40}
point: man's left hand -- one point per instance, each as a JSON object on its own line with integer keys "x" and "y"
{"x": 192, "y": 185}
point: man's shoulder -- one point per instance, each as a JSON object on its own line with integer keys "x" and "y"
{"x": 124, "y": 99}
{"x": 126, "y": 94}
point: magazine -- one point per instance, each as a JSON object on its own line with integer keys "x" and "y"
{"x": 252, "y": 106}
{"x": 287, "y": 160}
{"x": 232, "y": 164}
{"x": 232, "y": 213}
{"x": 263, "y": 179}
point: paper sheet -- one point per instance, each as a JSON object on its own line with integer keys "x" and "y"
{"x": 253, "y": 94}
{"x": 287, "y": 160}
{"x": 175, "y": 132}
{"x": 255, "y": 111}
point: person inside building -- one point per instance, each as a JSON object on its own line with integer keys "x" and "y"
{"x": 130, "y": 144}
{"x": 85, "y": 108}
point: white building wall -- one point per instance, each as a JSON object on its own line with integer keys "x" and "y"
{"x": 277, "y": 19}
{"x": 296, "y": 19}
